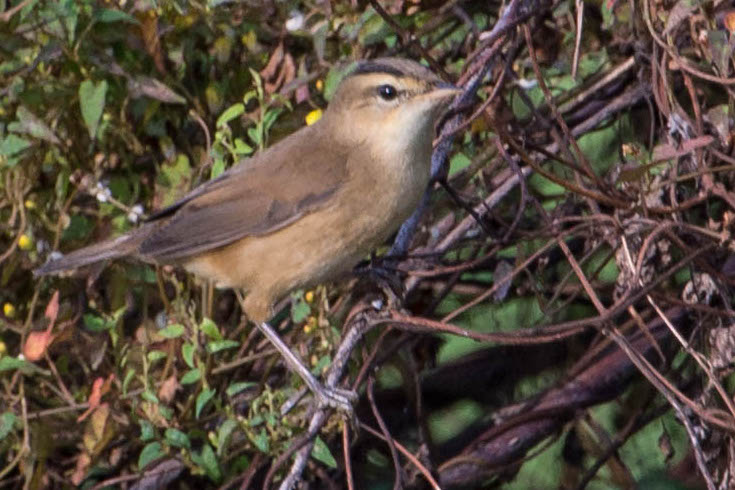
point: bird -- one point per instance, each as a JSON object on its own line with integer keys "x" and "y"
{"x": 305, "y": 210}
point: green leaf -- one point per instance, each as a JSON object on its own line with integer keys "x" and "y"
{"x": 191, "y": 376}
{"x": 147, "y": 431}
{"x": 202, "y": 400}
{"x": 92, "y": 101}
{"x": 208, "y": 460}
{"x": 236, "y": 388}
{"x": 242, "y": 148}
{"x": 255, "y": 135}
{"x": 12, "y": 145}
{"x": 270, "y": 118}
{"x": 148, "y": 396}
{"x": 230, "y": 113}
{"x": 9, "y": 363}
{"x": 7, "y": 421}
{"x": 321, "y": 453}
{"x": 458, "y": 162}
{"x": 187, "y": 352}
{"x": 210, "y": 329}
{"x": 173, "y": 331}
{"x": 223, "y": 433}
{"x": 113, "y": 15}
{"x": 217, "y": 168}
{"x": 261, "y": 441}
{"x": 78, "y": 229}
{"x": 300, "y": 309}
{"x": 156, "y": 355}
{"x": 218, "y": 345}
{"x": 177, "y": 438}
{"x": 150, "y": 452}
{"x": 129, "y": 375}
{"x": 333, "y": 78}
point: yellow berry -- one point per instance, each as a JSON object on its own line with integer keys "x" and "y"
{"x": 25, "y": 242}
{"x": 313, "y": 116}
{"x": 9, "y": 310}
{"x": 320, "y": 85}
{"x": 311, "y": 324}
{"x": 29, "y": 204}
{"x": 309, "y": 296}
{"x": 3, "y": 348}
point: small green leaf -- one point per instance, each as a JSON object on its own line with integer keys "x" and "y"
{"x": 166, "y": 412}
{"x": 242, "y": 148}
{"x": 458, "y": 162}
{"x": 254, "y": 135}
{"x": 236, "y": 388}
{"x": 173, "y": 331}
{"x": 202, "y": 400}
{"x": 218, "y": 345}
{"x": 150, "y": 452}
{"x": 148, "y": 395}
{"x": 223, "y": 433}
{"x": 261, "y": 441}
{"x": 13, "y": 144}
{"x": 9, "y": 363}
{"x": 191, "y": 376}
{"x": 147, "y": 431}
{"x": 156, "y": 355}
{"x": 79, "y": 228}
{"x": 92, "y": 101}
{"x": 374, "y": 30}
{"x": 334, "y": 77}
{"x": 217, "y": 168}
{"x": 177, "y": 438}
{"x": 94, "y": 322}
{"x": 114, "y": 15}
{"x": 321, "y": 453}
{"x": 210, "y": 329}
{"x": 208, "y": 460}
{"x": 129, "y": 375}
{"x": 187, "y": 352}
{"x": 270, "y": 118}
{"x": 300, "y": 309}
{"x": 7, "y": 421}
{"x": 230, "y": 113}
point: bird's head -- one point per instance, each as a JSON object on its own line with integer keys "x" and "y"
{"x": 389, "y": 99}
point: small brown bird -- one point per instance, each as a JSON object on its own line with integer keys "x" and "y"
{"x": 307, "y": 209}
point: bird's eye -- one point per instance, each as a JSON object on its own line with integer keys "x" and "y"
{"x": 387, "y": 92}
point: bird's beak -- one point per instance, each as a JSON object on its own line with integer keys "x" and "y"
{"x": 443, "y": 90}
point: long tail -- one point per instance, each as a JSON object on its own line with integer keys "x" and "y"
{"x": 111, "y": 249}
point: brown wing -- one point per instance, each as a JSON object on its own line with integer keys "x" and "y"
{"x": 256, "y": 197}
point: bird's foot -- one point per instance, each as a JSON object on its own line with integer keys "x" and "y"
{"x": 338, "y": 398}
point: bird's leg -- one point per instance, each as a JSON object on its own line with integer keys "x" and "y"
{"x": 326, "y": 395}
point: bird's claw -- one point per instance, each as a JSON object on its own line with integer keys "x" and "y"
{"x": 337, "y": 398}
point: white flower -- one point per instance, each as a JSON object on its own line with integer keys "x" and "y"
{"x": 295, "y": 22}
{"x": 102, "y": 193}
{"x": 135, "y": 213}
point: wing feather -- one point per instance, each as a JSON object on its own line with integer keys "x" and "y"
{"x": 254, "y": 198}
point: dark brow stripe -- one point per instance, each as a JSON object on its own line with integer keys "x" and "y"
{"x": 370, "y": 67}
